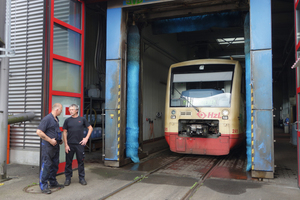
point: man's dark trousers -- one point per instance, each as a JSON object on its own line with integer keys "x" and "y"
{"x": 49, "y": 167}
{"x": 79, "y": 151}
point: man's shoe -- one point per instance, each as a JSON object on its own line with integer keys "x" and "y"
{"x": 82, "y": 182}
{"x": 46, "y": 191}
{"x": 67, "y": 182}
{"x": 57, "y": 186}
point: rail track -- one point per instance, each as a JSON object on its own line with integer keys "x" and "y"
{"x": 207, "y": 164}
{"x": 202, "y": 179}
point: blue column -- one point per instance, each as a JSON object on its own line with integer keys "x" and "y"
{"x": 248, "y": 89}
{"x": 261, "y": 80}
{"x": 113, "y": 81}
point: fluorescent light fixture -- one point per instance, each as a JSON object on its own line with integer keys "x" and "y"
{"x": 226, "y": 41}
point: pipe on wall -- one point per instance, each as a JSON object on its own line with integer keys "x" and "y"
{"x": 133, "y": 68}
{"x": 20, "y": 117}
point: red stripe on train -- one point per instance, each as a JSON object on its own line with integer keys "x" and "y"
{"x": 203, "y": 146}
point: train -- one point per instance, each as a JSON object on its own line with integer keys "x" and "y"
{"x": 205, "y": 107}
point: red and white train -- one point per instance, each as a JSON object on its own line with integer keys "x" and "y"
{"x": 205, "y": 110}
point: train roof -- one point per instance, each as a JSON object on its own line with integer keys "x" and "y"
{"x": 205, "y": 61}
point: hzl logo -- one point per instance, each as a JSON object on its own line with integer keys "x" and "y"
{"x": 133, "y": 2}
{"x": 202, "y": 115}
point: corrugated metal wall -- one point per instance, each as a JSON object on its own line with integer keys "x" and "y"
{"x": 25, "y": 69}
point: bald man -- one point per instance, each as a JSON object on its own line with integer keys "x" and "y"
{"x": 50, "y": 133}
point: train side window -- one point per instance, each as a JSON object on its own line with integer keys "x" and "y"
{"x": 243, "y": 85}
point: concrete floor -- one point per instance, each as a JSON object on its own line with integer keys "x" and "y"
{"x": 104, "y": 180}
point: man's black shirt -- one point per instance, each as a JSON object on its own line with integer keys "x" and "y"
{"x": 75, "y": 127}
{"x": 49, "y": 126}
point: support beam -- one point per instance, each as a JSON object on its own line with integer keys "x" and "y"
{"x": 197, "y": 23}
{"x": 248, "y": 91}
{"x": 194, "y": 11}
{"x": 115, "y": 92}
{"x": 113, "y": 82}
{"x": 180, "y": 9}
{"x": 3, "y": 115}
{"x": 261, "y": 86}
{"x": 4, "y": 74}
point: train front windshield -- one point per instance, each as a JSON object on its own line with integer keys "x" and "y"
{"x": 207, "y": 85}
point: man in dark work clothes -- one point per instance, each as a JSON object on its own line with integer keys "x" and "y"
{"x": 74, "y": 143}
{"x": 49, "y": 131}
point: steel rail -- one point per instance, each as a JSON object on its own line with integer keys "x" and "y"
{"x": 206, "y": 175}
{"x": 139, "y": 179}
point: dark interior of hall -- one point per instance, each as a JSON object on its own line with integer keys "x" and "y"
{"x": 226, "y": 42}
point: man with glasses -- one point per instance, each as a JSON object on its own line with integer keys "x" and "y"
{"x": 74, "y": 143}
{"x": 49, "y": 131}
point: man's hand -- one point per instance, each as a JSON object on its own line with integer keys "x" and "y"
{"x": 67, "y": 148}
{"x": 83, "y": 141}
{"x": 53, "y": 141}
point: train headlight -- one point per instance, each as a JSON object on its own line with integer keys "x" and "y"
{"x": 173, "y": 116}
{"x": 225, "y": 112}
{"x": 173, "y": 112}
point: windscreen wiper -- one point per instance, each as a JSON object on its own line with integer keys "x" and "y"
{"x": 187, "y": 100}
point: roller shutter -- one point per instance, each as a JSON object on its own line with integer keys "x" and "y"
{"x": 25, "y": 69}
